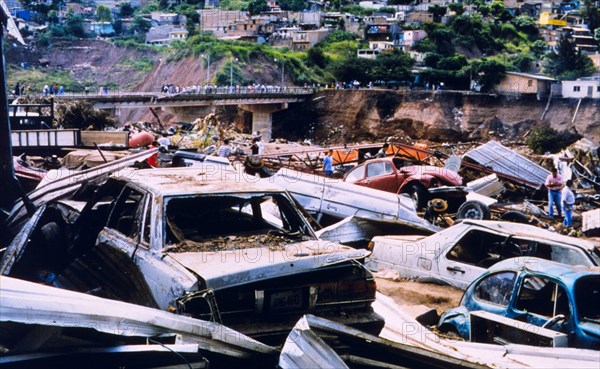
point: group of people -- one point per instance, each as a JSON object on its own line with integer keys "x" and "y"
{"x": 53, "y": 89}
{"x": 560, "y": 195}
{"x": 256, "y": 148}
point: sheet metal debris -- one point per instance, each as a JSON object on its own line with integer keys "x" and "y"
{"x": 61, "y": 314}
{"x": 506, "y": 161}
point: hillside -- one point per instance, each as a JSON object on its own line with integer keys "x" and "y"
{"x": 334, "y": 116}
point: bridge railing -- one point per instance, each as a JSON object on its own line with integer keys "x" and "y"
{"x": 190, "y": 91}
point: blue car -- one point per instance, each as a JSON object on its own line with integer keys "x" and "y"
{"x": 539, "y": 292}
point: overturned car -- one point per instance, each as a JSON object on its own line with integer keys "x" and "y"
{"x": 208, "y": 246}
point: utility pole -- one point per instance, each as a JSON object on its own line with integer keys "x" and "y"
{"x": 11, "y": 189}
{"x": 207, "y": 57}
{"x": 231, "y": 72}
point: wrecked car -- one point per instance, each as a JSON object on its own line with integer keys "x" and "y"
{"x": 212, "y": 247}
{"x": 459, "y": 254}
{"x": 541, "y": 293}
{"x": 389, "y": 174}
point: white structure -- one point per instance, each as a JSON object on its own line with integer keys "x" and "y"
{"x": 164, "y": 35}
{"x": 581, "y": 88}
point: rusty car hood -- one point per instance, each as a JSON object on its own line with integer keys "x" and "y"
{"x": 235, "y": 267}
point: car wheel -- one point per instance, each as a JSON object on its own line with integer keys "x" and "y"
{"x": 474, "y": 210}
{"x": 418, "y": 194}
{"x": 515, "y": 217}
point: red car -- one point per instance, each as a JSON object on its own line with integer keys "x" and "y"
{"x": 388, "y": 174}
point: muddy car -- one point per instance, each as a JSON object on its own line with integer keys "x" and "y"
{"x": 215, "y": 248}
{"x": 538, "y": 292}
{"x": 459, "y": 254}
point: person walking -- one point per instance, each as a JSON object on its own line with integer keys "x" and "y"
{"x": 554, "y": 183}
{"x": 568, "y": 200}
{"x": 328, "y": 164}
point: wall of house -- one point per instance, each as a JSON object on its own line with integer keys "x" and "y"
{"x": 517, "y": 84}
{"x": 580, "y": 89}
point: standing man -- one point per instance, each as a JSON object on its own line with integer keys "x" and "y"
{"x": 382, "y": 153}
{"x": 568, "y": 200}
{"x": 328, "y": 164}
{"x": 554, "y": 183}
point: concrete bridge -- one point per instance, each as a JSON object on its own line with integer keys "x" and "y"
{"x": 261, "y": 102}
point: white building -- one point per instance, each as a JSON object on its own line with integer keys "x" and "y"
{"x": 581, "y": 88}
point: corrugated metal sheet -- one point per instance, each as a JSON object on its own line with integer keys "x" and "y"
{"x": 505, "y": 161}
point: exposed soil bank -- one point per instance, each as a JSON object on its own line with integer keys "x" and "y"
{"x": 340, "y": 116}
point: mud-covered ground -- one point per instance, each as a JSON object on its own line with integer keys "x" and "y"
{"x": 415, "y": 297}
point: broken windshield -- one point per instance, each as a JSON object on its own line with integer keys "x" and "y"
{"x": 232, "y": 221}
{"x": 587, "y": 295}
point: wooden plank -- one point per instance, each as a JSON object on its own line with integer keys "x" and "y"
{"x": 117, "y": 138}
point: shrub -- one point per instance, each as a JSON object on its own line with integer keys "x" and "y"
{"x": 546, "y": 139}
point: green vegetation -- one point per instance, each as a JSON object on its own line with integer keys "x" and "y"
{"x": 143, "y": 64}
{"x": 547, "y": 139}
{"x": 36, "y": 79}
{"x": 568, "y": 62}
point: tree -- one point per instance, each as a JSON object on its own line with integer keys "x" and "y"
{"x": 74, "y": 25}
{"x": 457, "y": 8}
{"x": 487, "y": 73}
{"x": 140, "y": 24}
{"x": 258, "y": 6}
{"x": 126, "y": 10}
{"x": 568, "y": 62}
{"x": 316, "y": 57}
{"x": 392, "y": 65}
{"x": 437, "y": 11}
{"x": 103, "y": 14}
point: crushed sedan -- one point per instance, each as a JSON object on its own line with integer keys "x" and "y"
{"x": 459, "y": 254}
{"x": 228, "y": 250}
{"x": 522, "y": 297}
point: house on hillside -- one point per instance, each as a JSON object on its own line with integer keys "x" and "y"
{"x": 582, "y": 88}
{"x": 165, "y": 34}
{"x": 525, "y": 83}
{"x": 102, "y": 28}
{"x": 304, "y": 40}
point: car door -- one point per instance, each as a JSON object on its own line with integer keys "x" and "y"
{"x": 461, "y": 260}
{"x": 541, "y": 299}
{"x": 120, "y": 241}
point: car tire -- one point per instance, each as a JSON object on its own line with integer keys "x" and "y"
{"x": 474, "y": 210}
{"x": 418, "y": 194}
{"x": 515, "y": 217}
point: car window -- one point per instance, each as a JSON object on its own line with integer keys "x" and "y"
{"x": 496, "y": 288}
{"x": 356, "y": 174}
{"x": 378, "y": 169}
{"x": 478, "y": 248}
{"x": 542, "y": 296}
{"x": 125, "y": 216}
{"x": 147, "y": 222}
{"x": 587, "y": 295}
{"x": 232, "y": 221}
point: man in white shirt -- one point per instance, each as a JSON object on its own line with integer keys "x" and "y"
{"x": 568, "y": 200}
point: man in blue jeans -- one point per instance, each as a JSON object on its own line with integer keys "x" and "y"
{"x": 568, "y": 199}
{"x": 554, "y": 183}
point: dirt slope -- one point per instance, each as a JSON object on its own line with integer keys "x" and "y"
{"x": 365, "y": 115}
{"x": 332, "y": 116}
